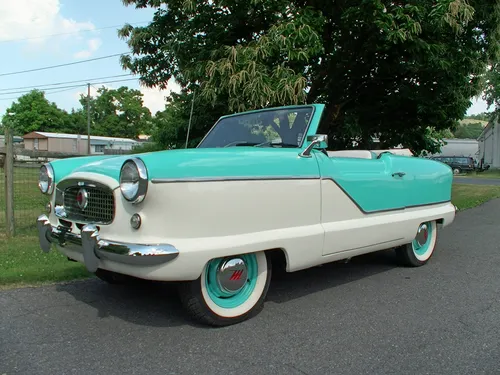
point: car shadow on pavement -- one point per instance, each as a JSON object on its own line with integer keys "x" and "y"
{"x": 157, "y": 304}
{"x": 289, "y": 286}
{"x": 144, "y": 302}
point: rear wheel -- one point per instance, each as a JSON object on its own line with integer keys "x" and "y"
{"x": 457, "y": 170}
{"x": 420, "y": 250}
{"x": 229, "y": 290}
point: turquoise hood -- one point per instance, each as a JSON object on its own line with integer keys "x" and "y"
{"x": 199, "y": 163}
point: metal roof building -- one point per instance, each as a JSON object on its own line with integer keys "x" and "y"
{"x": 75, "y": 143}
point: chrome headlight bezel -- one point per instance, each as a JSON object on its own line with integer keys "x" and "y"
{"x": 48, "y": 171}
{"x": 137, "y": 193}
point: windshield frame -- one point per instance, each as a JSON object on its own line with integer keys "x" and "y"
{"x": 289, "y": 107}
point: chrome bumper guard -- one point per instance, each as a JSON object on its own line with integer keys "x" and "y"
{"x": 94, "y": 248}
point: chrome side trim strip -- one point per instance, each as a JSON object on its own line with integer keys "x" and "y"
{"x": 231, "y": 178}
{"x": 94, "y": 248}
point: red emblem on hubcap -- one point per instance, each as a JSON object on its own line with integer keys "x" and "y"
{"x": 236, "y": 275}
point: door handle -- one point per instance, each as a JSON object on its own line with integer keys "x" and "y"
{"x": 399, "y": 174}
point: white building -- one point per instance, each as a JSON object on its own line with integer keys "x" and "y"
{"x": 75, "y": 143}
{"x": 460, "y": 147}
{"x": 489, "y": 144}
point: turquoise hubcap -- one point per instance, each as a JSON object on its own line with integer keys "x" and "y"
{"x": 422, "y": 240}
{"x": 230, "y": 281}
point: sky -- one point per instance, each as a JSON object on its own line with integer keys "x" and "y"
{"x": 24, "y": 25}
{"x": 89, "y": 31}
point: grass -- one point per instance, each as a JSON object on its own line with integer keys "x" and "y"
{"x": 22, "y": 263}
{"x": 495, "y": 173}
{"x": 468, "y": 196}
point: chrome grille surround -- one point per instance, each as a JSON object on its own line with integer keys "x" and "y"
{"x": 99, "y": 207}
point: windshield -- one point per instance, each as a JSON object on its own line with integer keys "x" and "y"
{"x": 267, "y": 128}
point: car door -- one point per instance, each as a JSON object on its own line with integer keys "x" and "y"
{"x": 358, "y": 196}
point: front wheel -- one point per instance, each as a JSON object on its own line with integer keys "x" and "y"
{"x": 229, "y": 290}
{"x": 420, "y": 250}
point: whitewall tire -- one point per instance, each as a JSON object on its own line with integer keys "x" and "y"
{"x": 229, "y": 290}
{"x": 420, "y": 250}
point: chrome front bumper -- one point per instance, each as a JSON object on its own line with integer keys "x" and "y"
{"x": 94, "y": 248}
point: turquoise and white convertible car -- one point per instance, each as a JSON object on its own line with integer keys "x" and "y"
{"x": 259, "y": 186}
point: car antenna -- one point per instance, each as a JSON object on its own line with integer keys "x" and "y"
{"x": 190, "y": 117}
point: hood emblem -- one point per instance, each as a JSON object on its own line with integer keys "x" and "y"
{"x": 82, "y": 198}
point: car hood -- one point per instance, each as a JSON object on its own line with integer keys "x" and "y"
{"x": 207, "y": 163}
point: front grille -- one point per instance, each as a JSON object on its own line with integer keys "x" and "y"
{"x": 100, "y": 206}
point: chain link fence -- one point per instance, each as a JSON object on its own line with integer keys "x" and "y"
{"x": 28, "y": 200}
{"x": 21, "y": 201}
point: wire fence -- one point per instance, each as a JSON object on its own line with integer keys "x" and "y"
{"x": 28, "y": 200}
{"x": 21, "y": 192}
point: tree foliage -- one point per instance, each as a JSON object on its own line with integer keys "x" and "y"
{"x": 117, "y": 112}
{"x": 391, "y": 69}
{"x": 33, "y": 112}
{"x": 471, "y": 130}
{"x": 114, "y": 113}
{"x": 492, "y": 92}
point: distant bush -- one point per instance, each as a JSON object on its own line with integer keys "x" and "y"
{"x": 147, "y": 147}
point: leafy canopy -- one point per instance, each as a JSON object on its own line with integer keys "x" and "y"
{"x": 401, "y": 71}
{"x": 117, "y": 112}
{"x": 33, "y": 112}
{"x": 114, "y": 113}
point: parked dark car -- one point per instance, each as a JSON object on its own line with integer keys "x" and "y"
{"x": 458, "y": 164}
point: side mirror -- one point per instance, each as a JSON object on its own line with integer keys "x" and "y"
{"x": 317, "y": 141}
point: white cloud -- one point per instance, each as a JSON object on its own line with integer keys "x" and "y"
{"x": 155, "y": 99}
{"x": 93, "y": 45}
{"x": 36, "y": 18}
{"x": 93, "y": 91}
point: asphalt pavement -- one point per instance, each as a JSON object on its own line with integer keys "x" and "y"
{"x": 365, "y": 317}
{"x": 476, "y": 181}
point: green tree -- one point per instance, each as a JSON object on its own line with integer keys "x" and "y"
{"x": 484, "y": 116}
{"x": 492, "y": 92}
{"x": 171, "y": 125}
{"x": 33, "y": 112}
{"x": 471, "y": 130}
{"x": 394, "y": 69}
{"x": 116, "y": 113}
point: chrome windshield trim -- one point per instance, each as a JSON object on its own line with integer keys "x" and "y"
{"x": 290, "y": 107}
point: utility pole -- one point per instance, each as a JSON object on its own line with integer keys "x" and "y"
{"x": 88, "y": 118}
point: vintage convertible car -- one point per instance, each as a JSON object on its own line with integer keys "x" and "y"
{"x": 260, "y": 187}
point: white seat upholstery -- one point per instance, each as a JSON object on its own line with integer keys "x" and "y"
{"x": 360, "y": 154}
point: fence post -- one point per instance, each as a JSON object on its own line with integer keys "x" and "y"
{"x": 9, "y": 181}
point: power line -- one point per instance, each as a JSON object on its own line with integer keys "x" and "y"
{"x": 69, "y": 33}
{"x": 65, "y": 87}
{"x": 60, "y": 65}
{"x": 47, "y": 93}
{"x": 63, "y": 83}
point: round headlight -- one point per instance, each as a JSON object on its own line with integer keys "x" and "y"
{"x": 46, "y": 179}
{"x": 134, "y": 180}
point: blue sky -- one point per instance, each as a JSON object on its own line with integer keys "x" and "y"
{"x": 21, "y": 19}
